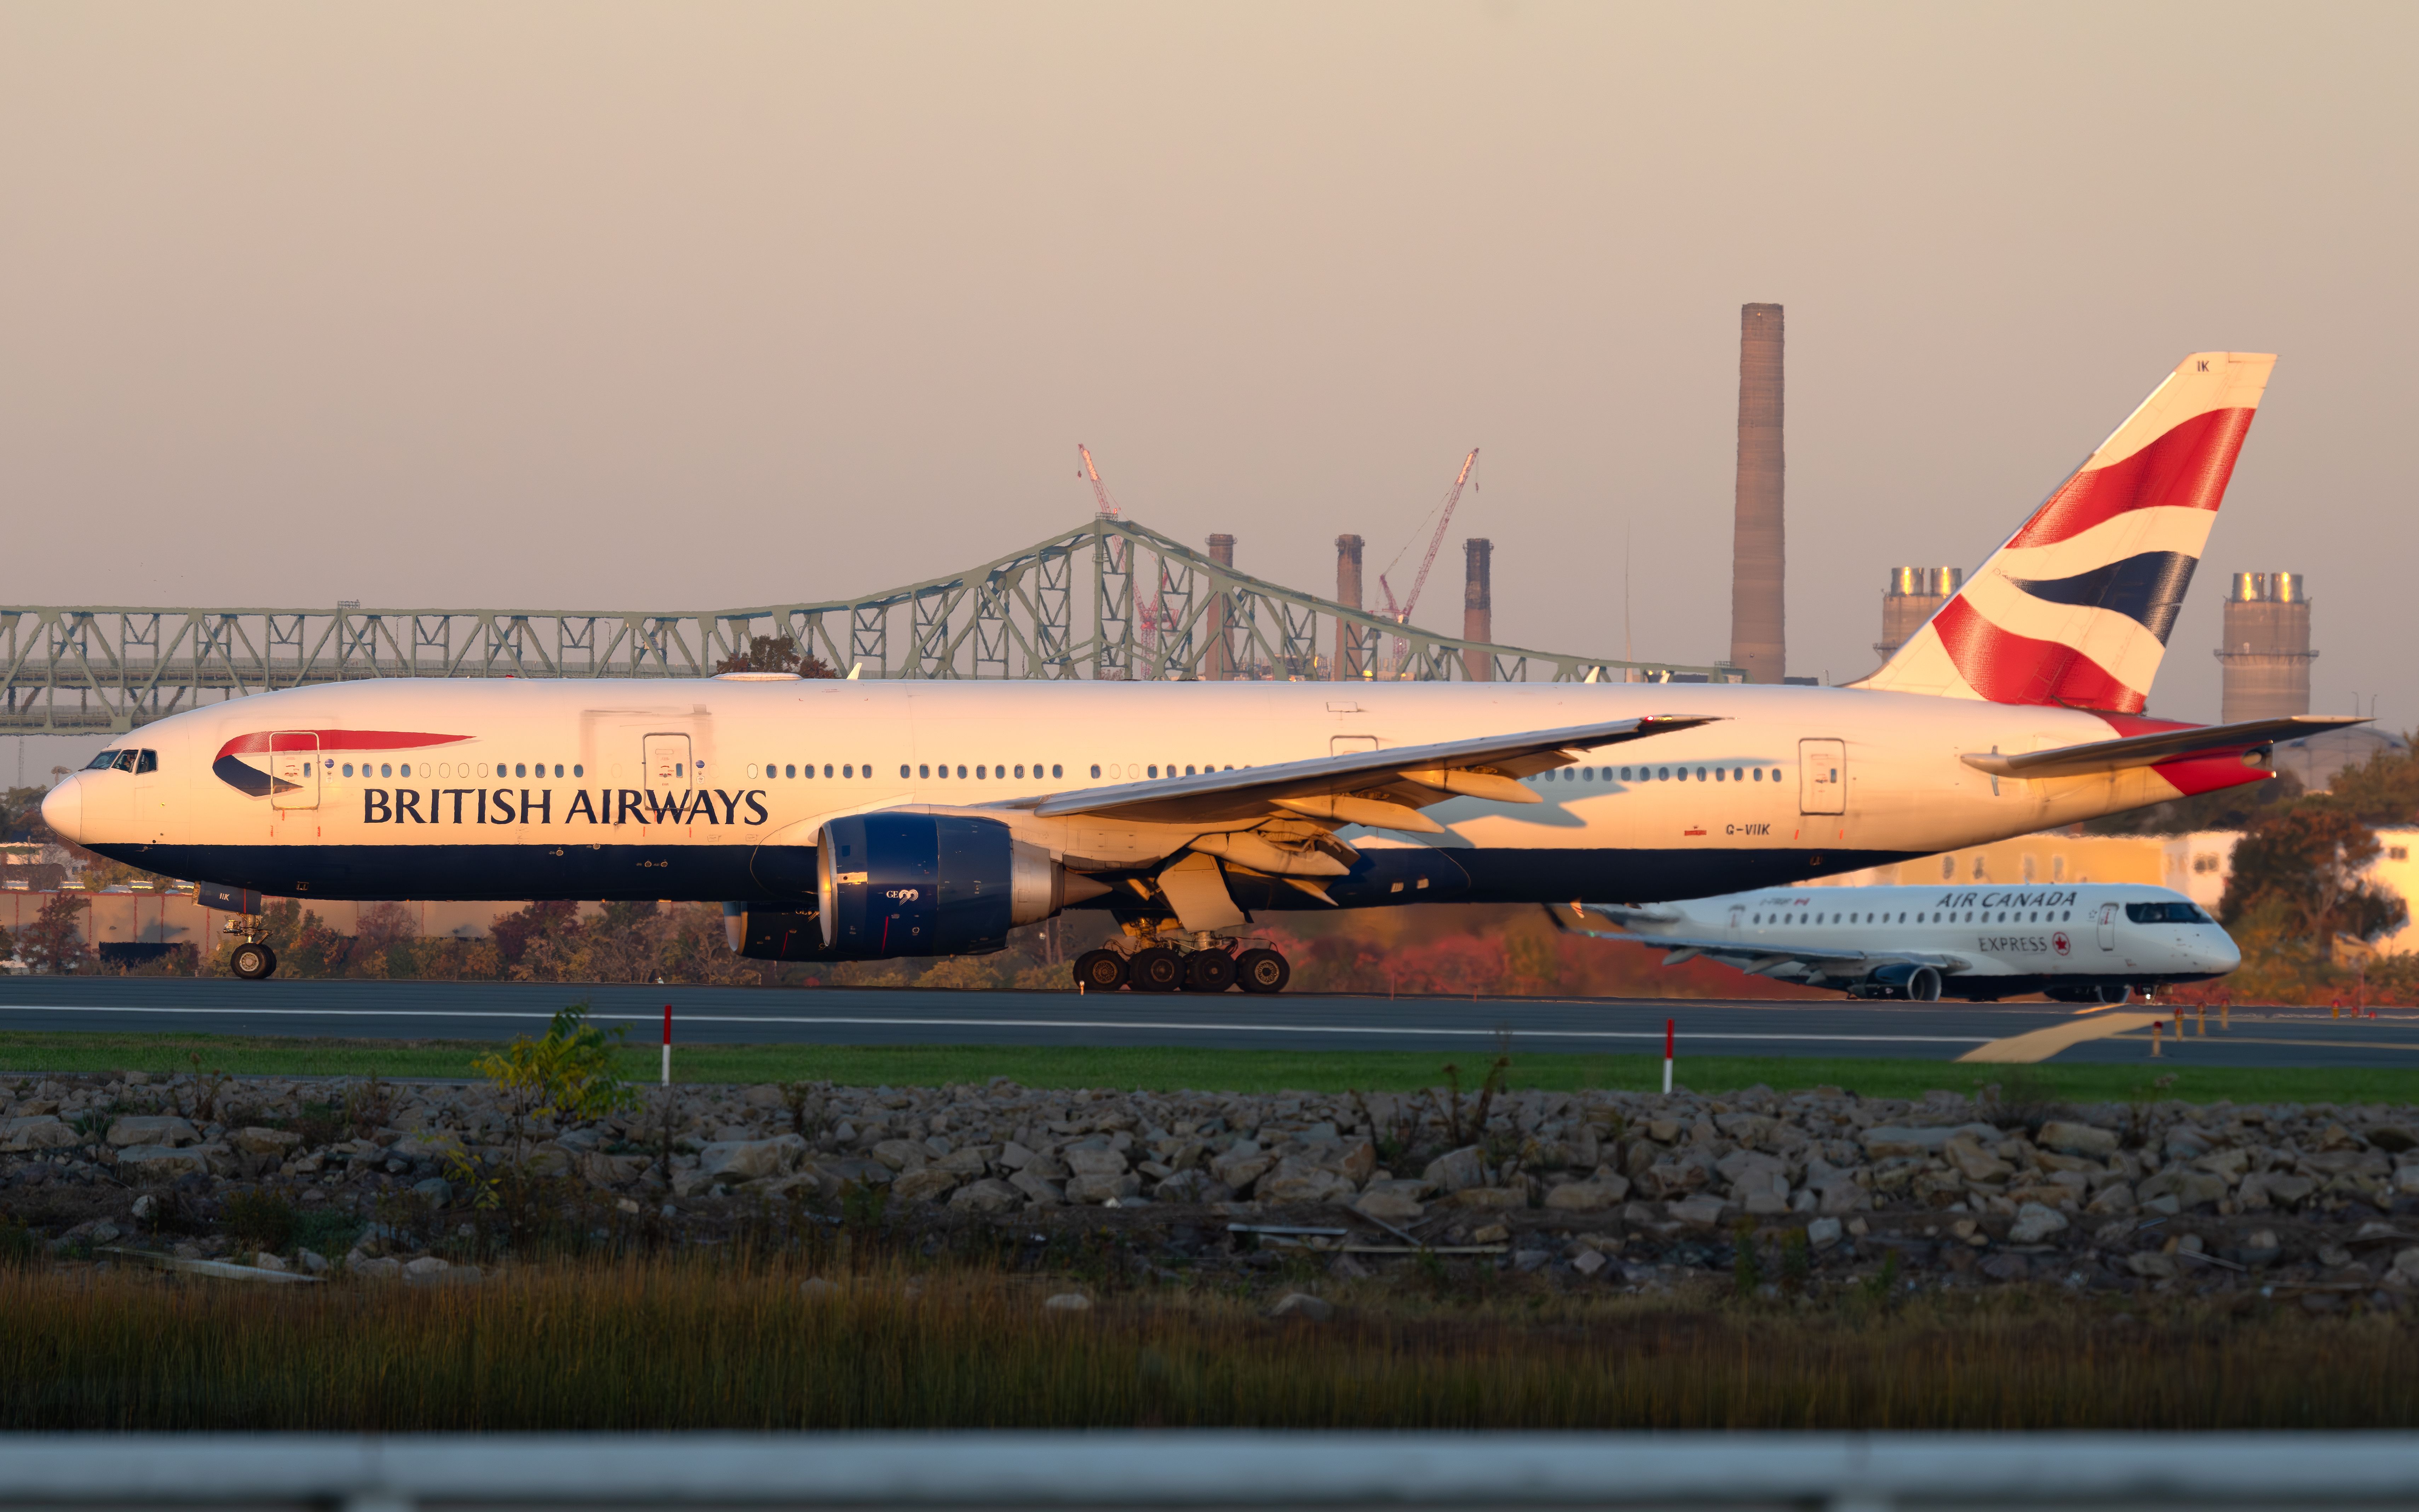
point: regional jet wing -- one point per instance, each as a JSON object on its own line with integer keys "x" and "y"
{"x": 2159, "y": 746}
{"x": 1382, "y": 788}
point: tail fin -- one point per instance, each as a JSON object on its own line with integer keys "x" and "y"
{"x": 2075, "y": 608}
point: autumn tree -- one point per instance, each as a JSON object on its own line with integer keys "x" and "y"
{"x": 775, "y": 653}
{"x": 2306, "y": 865}
{"x": 55, "y": 941}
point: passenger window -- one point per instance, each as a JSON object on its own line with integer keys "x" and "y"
{"x": 1055, "y": 771}
{"x": 1154, "y": 769}
{"x": 579, "y": 770}
{"x": 1096, "y": 768}
{"x": 979, "y": 771}
{"x": 923, "y": 771}
{"x": 349, "y": 768}
{"x": 1625, "y": 774}
{"x": 385, "y": 770}
{"x": 1717, "y": 774}
{"x": 851, "y": 771}
{"x": 903, "y": 770}
{"x": 1663, "y": 774}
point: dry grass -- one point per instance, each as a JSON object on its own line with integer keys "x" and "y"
{"x": 684, "y": 1344}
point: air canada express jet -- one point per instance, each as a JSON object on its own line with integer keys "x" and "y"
{"x": 839, "y": 820}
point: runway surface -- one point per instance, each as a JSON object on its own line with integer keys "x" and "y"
{"x": 722, "y": 1015}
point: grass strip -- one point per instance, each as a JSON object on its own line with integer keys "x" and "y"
{"x": 1173, "y": 1068}
{"x": 668, "y": 1345}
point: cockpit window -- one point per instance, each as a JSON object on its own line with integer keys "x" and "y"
{"x": 147, "y": 762}
{"x": 106, "y": 759}
{"x": 2165, "y": 914}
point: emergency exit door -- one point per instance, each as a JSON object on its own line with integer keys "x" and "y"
{"x": 294, "y": 770}
{"x": 668, "y": 768}
{"x": 1823, "y": 776}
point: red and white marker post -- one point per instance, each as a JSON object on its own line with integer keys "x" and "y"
{"x": 668, "y": 1044}
{"x": 1671, "y": 1037}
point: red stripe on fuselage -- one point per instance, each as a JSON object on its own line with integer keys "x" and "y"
{"x": 2008, "y": 667}
{"x": 268, "y": 740}
{"x": 2185, "y": 468}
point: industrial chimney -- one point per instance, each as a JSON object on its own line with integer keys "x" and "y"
{"x": 1347, "y": 593}
{"x": 1477, "y": 606}
{"x": 2267, "y": 656}
{"x": 1913, "y": 595}
{"x": 1214, "y": 666}
{"x": 1757, "y": 641}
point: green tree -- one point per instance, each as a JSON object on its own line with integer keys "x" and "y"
{"x": 55, "y": 941}
{"x": 2306, "y": 865}
{"x": 567, "y": 1074}
{"x": 775, "y": 653}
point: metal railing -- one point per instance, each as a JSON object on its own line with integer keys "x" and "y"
{"x": 1110, "y": 600}
{"x": 1879, "y": 1473}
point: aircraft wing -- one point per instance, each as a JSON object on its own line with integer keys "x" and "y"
{"x": 1380, "y": 789}
{"x": 1757, "y": 958}
{"x": 2159, "y": 746}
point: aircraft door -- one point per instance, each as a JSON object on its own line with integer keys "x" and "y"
{"x": 1823, "y": 776}
{"x": 668, "y": 768}
{"x": 1738, "y": 916}
{"x": 294, "y": 770}
{"x": 2108, "y": 926}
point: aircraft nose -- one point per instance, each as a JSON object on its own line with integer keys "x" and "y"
{"x": 2224, "y": 954}
{"x": 62, "y": 809}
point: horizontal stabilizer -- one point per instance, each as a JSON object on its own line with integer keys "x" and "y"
{"x": 2159, "y": 746}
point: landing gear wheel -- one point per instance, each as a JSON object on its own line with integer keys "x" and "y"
{"x": 1158, "y": 969}
{"x": 253, "y": 962}
{"x": 1100, "y": 971}
{"x": 1208, "y": 971}
{"x": 1262, "y": 971}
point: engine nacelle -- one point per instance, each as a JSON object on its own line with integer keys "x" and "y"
{"x": 911, "y": 884}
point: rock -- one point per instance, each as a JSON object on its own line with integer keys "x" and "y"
{"x": 1295, "y": 1181}
{"x": 1304, "y": 1306}
{"x": 163, "y": 1129}
{"x": 1048, "y": 1193}
{"x": 972, "y": 1160}
{"x": 2083, "y": 1140}
{"x": 2406, "y": 1180}
{"x": 266, "y": 1260}
{"x": 144, "y": 1206}
{"x": 732, "y": 1161}
{"x": 1883, "y": 1141}
{"x": 385, "y": 1268}
{"x": 2191, "y": 1188}
{"x": 1240, "y": 1166}
{"x": 264, "y": 1141}
{"x": 1094, "y": 1163}
{"x": 1588, "y": 1262}
{"x": 1393, "y": 1199}
{"x": 1975, "y": 1163}
{"x": 425, "y": 1267}
{"x": 1068, "y": 1302}
{"x": 311, "y": 1261}
{"x": 1101, "y": 1188}
{"x": 2035, "y": 1223}
{"x": 1456, "y": 1170}
{"x": 922, "y": 1184}
{"x": 814, "y": 1288}
{"x": 161, "y": 1163}
{"x": 1598, "y": 1193}
{"x": 2392, "y": 1138}
{"x": 2117, "y": 1196}
{"x": 1491, "y": 1234}
{"x": 1822, "y": 1232}
{"x": 990, "y": 1194}
{"x": 39, "y": 1132}
{"x": 2276, "y": 1189}
{"x": 1701, "y": 1212}
{"x": 2150, "y": 1265}
{"x": 901, "y": 1154}
{"x": 436, "y": 1191}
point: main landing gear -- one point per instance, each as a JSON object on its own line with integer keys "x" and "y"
{"x": 252, "y": 960}
{"x": 1211, "y": 967}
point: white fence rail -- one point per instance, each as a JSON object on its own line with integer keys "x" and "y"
{"x": 1842, "y": 1472}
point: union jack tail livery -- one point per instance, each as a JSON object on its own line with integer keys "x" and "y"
{"x": 2074, "y": 609}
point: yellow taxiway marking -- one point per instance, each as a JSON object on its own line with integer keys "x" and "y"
{"x": 2024, "y": 1049}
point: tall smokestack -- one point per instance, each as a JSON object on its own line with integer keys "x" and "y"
{"x": 1214, "y": 666}
{"x": 1347, "y": 593}
{"x": 1757, "y": 639}
{"x": 1477, "y": 604}
{"x": 2267, "y": 656}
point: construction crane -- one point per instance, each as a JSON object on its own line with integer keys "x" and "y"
{"x": 1100, "y": 490}
{"x": 1148, "y": 618}
{"x": 1401, "y": 613}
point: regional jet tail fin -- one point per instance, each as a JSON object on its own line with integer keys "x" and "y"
{"x": 2074, "y": 609}
{"x": 2163, "y": 745}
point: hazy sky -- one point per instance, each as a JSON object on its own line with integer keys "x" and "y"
{"x": 687, "y": 306}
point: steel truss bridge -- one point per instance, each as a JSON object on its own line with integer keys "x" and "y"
{"x": 1109, "y": 600}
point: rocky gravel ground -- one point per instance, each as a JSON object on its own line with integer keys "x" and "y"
{"x": 1759, "y": 1190}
